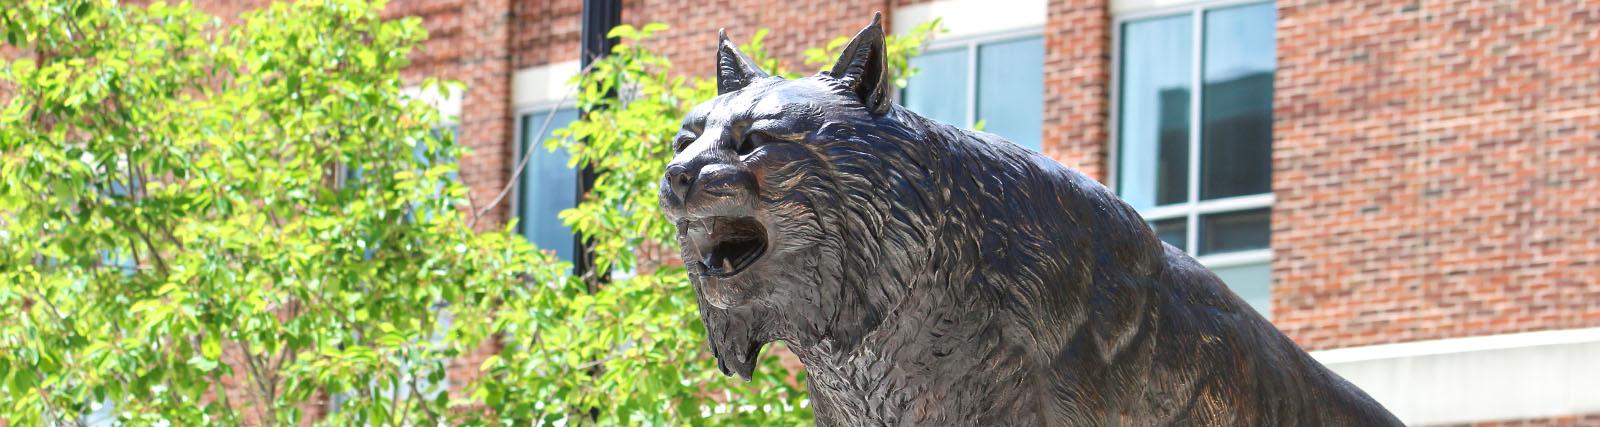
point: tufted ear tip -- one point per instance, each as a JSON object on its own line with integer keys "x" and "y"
{"x": 734, "y": 69}
{"x": 863, "y": 66}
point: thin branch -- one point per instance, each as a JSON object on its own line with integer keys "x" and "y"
{"x": 527, "y": 154}
{"x": 423, "y": 403}
{"x": 255, "y": 376}
{"x": 394, "y": 398}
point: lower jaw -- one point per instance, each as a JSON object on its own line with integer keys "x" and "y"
{"x": 720, "y": 296}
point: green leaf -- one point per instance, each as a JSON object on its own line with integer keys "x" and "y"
{"x": 202, "y": 364}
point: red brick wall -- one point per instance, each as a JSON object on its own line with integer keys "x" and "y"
{"x": 1077, "y": 84}
{"x": 547, "y": 31}
{"x": 794, "y": 26}
{"x": 1437, "y": 169}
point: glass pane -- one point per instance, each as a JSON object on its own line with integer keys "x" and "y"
{"x": 548, "y": 185}
{"x": 1153, "y": 110}
{"x": 1236, "y": 105}
{"x": 1011, "y": 90}
{"x": 1235, "y": 231}
{"x": 1173, "y": 231}
{"x": 939, "y": 90}
{"x": 1253, "y": 282}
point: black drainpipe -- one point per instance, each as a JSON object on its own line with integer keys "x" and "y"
{"x": 599, "y": 17}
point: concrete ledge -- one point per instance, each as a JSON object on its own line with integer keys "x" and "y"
{"x": 543, "y": 84}
{"x": 1498, "y": 377}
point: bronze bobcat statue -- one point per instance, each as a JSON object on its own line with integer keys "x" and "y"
{"x": 930, "y": 275}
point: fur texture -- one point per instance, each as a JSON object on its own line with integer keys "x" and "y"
{"x": 930, "y": 275}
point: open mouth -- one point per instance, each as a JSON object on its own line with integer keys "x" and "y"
{"x": 725, "y": 245}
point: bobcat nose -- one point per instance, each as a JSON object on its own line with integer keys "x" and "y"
{"x": 679, "y": 179}
{"x": 705, "y": 181}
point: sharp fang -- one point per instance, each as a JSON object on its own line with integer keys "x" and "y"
{"x": 727, "y": 265}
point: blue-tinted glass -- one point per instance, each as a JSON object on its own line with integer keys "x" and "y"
{"x": 1011, "y": 89}
{"x": 1153, "y": 134}
{"x": 1253, "y": 282}
{"x": 939, "y": 90}
{"x": 548, "y": 185}
{"x": 1173, "y": 231}
{"x": 1236, "y": 102}
{"x": 1235, "y": 231}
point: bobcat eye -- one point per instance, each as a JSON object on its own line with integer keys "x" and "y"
{"x": 682, "y": 142}
{"x": 753, "y": 141}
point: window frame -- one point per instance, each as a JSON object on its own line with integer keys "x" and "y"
{"x": 970, "y": 43}
{"x": 517, "y": 114}
{"x": 1192, "y": 208}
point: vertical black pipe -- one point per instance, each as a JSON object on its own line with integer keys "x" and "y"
{"x": 599, "y": 17}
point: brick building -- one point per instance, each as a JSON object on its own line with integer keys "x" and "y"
{"x": 1409, "y": 189}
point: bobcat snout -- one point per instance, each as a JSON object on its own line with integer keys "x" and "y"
{"x": 706, "y": 183}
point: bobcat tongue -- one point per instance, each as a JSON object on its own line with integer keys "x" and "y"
{"x": 726, "y": 244}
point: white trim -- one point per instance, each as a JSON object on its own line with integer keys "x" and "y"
{"x": 448, "y": 104}
{"x": 1457, "y": 345}
{"x": 1203, "y": 207}
{"x": 1237, "y": 258}
{"x": 967, "y": 18}
{"x": 1464, "y": 380}
{"x": 543, "y": 84}
{"x": 548, "y": 107}
{"x": 943, "y": 42}
{"x": 1196, "y": 86}
{"x": 543, "y": 88}
{"x": 1135, "y": 9}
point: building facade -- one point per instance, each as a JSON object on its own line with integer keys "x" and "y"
{"x": 1409, "y": 189}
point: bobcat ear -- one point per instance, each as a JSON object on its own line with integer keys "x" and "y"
{"x": 734, "y": 70}
{"x": 864, "y": 67}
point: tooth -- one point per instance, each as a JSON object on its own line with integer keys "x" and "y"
{"x": 727, "y": 265}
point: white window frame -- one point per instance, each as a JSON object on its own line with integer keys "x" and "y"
{"x": 539, "y": 90}
{"x": 1192, "y": 208}
{"x": 971, "y": 43}
{"x": 541, "y": 109}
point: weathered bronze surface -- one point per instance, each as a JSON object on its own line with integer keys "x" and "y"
{"x": 930, "y": 275}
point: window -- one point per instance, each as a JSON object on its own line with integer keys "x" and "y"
{"x": 1194, "y": 135}
{"x": 998, "y": 81}
{"x": 547, "y": 185}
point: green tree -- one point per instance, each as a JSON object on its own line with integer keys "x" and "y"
{"x": 187, "y": 202}
{"x": 187, "y": 205}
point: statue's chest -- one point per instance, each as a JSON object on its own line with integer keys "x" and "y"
{"x": 881, "y": 391}
{"x": 871, "y": 393}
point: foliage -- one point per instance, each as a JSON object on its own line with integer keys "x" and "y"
{"x": 174, "y": 218}
{"x": 191, "y": 209}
